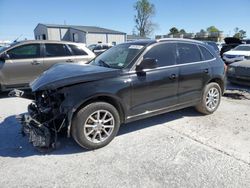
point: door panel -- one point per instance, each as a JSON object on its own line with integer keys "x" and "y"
{"x": 154, "y": 90}
{"x": 24, "y": 65}
{"x": 21, "y": 71}
{"x": 193, "y": 72}
{"x": 192, "y": 79}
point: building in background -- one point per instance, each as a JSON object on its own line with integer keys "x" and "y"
{"x": 83, "y": 34}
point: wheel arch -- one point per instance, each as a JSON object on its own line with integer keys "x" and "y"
{"x": 219, "y": 81}
{"x": 116, "y": 102}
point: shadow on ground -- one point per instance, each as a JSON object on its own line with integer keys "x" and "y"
{"x": 13, "y": 144}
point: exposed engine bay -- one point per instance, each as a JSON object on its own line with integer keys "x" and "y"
{"x": 44, "y": 119}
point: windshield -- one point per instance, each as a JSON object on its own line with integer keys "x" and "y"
{"x": 119, "y": 56}
{"x": 242, "y": 48}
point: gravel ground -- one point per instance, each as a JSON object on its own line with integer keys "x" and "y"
{"x": 178, "y": 149}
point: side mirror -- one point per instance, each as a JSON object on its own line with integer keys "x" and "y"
{"x": 4, "y": 57}
{"x": 147, "y": 63}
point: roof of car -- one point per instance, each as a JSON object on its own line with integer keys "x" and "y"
{"x": 148, "y": 42}
{"x": 180, "y": 40}
{"x": 47, "y": 41}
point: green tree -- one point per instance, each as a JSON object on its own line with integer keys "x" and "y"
{"x": 212, "y": 29}
{"x": 144, "y": 12}
{"x": 239, "y": 33}
{"x": 174, "y": 31}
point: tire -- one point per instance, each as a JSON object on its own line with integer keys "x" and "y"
{"x": 91, "y": 132}
{"x": 210, "y": 100}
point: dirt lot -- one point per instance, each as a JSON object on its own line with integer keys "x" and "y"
{"x": 178, "y": 149}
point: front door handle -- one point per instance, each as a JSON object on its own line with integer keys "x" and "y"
{"x": 69, "y": 61}
{"x": 172, "y": 77}
{"x": 35, "y": 62}
{"x": 206, "y": 71}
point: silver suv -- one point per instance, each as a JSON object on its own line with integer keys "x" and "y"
{"x": 22, "y": 62}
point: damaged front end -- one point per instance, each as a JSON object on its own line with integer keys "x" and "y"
{"x": 44, "y": 120}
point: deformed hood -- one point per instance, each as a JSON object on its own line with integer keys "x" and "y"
{"x": 61, "y": 75}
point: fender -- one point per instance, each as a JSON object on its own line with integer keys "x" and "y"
{"x": 122, "y": 108}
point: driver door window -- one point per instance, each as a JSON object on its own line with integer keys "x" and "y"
{"x": 164, "y": 53}
{"x": 29, "y": 51}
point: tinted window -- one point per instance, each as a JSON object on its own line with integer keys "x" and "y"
{"x": 56, "y": 50}
{"x": 206, "y": 54}
{"x": 214, "y": 45}
{"x": 164, "y": 53}
{"x": 77, "y": 50}
{"x": 188, "y": 53}
{"x": 25, "y": 52}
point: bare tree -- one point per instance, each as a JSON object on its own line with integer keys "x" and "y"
{"x": 144, "y": 12}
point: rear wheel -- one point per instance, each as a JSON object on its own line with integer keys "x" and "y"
{"x": 95, "y": 125}
{"x": 210, "y": 99}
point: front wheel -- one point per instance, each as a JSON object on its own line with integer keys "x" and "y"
{"x": 95, "y": 125}
{"x": 210, "y": 100}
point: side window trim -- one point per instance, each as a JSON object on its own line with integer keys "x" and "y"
{"x": 140, "y": 58}
{"x": 70, "y": 50}
{"x": 138, "y": 61}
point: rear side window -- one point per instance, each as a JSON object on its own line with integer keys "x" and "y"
{"x": 56, "y": 50}
{"x": 188, "y": 53}
{"x": 77, "y": 50}
{"x": 165, "y": 54}
{"x": 25, "y": 52}
{"x": 206, "y": 54}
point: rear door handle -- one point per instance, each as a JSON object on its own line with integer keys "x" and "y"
{"x": 35, "y": 62}
{"x": 206, "y": 71}
{"x": 69, "y": 60}
{"x": 172, "y": 77}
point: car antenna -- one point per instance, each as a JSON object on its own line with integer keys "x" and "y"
{"x": 18, "y": 38}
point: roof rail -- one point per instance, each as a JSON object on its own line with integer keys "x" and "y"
{"x": 178, "y": 39}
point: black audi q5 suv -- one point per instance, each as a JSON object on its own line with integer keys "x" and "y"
{"x": 128, "y": 82}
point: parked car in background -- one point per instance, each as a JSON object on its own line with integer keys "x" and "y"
{"x": 230, "y": 43}
{"x": 128, "y": 82}
{"x": 246, "y": 41}
{"x": 239, "y": 72}
{"x": 239, "y": 53}
{"x": 214, "y": 45}
{"x": 21, "y": 62}
{"x": 99, "y": 48}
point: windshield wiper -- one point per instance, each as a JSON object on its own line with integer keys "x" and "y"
{"x": 104, "y": 63}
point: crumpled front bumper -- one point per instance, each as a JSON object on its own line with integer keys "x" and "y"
{"x": 38, "y": 134}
